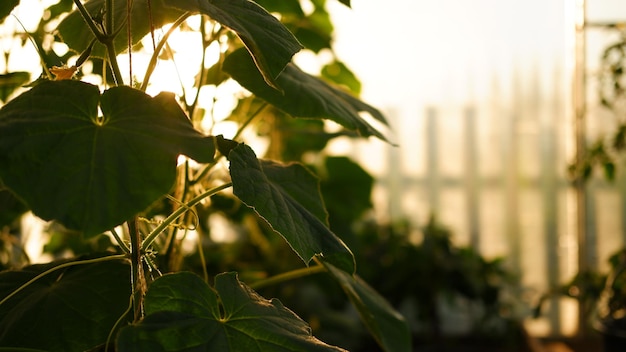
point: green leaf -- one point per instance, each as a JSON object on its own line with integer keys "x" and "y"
{"x": 60, "y": 8}
{"x": 288, "y": 198}
{"x": 304, "y": 95}
{"x": 269, "y": 41}
{"x": 289, "y": 7}
{"x": 71, "y": 309}
{"x": 92, "y": 173}
{"x": 10, "y": 208}
{"x": 6, "y": 6}
{"x": 384, "y": 323}
{"x": 338, "y": 73}
{"x": 312, "y": 38}
{"x": 319, "y": 27}
{"x": 9, "y": 82}
{"x": 347, "y": 189}
{"x": 184, "y": 314}
{"x": 76, "y": 34}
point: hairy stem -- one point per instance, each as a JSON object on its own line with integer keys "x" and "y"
{"x": 120, "y": 242}
{"x": 115, "y": 68}
{"x": 137, "y": 278}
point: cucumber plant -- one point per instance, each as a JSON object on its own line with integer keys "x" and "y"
{"x": 111, "y": 161}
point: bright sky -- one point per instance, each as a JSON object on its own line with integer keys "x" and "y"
{"x": 434, "y": 49}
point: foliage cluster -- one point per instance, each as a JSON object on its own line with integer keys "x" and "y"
{"x": 127, "y": 178}
{"x": 606, "y": 153}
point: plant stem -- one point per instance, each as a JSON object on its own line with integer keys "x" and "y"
{"x": 120, "y": 242}
{"x": 247, "y": 122}
{"x": 90, "y": 23}
{"x": 192, "y": 107}
{"x": 115, "y": 68}
{"x": 208, "y": 168}
{"x": 108, "y": 13}
{"x": 290, "y": 275}
{"x": 137, "y": 278}
{"x": 159, "y": 47}
{"x": 205, "y": 273}
{"x": 62, "y": 266}
{"x": 117, "y": 323}
{"x": 180, "y": 211}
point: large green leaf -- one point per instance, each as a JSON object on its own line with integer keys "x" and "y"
{"x": 184, "y": 314}
{"x": 303, "y": 95}
{"x": 269, "y": 41}
{"x": 288, "y": 198}
{"x": 92, "y": 173}
{"x": 71, "y": 309}
{"x": 74, "y": 31}
{"x": 386, "y": 325}
{"x": 284, "y": 7}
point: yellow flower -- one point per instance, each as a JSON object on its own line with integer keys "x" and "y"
{"x": 61, "y": 73}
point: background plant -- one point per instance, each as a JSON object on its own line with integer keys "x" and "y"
{"x": 103, "y": 162}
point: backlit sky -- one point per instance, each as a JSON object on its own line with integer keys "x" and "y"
{"x": 447, "y": 49}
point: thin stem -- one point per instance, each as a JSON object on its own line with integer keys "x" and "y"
{"x": 205, "y": 170}
{"x": 117, "y": 323}
{"x": 208, "y": 168}
{"x": 247, "y": 122}
{"x": 120, "y": 242}
{"x": 159, "y": 47}
{"x": 179, "y": 197}
{"x": 137, "y": 272}
{"x": 290, "y": 275}
{"x": 180, "y": 211}
{"x": 37, "y": 47}
{"x": 192, "y": 106}
{"x": 129, "y": 39}
{"x": 205, "y": 273}
{"x": 63, "y": 266}
{"x": 109, "y": 8}
{"x": 115, "y": 68}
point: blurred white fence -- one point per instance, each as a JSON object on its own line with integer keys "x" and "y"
{"x": 495, "y": 173}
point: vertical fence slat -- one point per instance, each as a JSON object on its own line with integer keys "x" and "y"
{"x": 510, "y": 157}
{"x": 432, "y": 162}
{"x": 550, "y": 190}
{"x": 471, "y": 182}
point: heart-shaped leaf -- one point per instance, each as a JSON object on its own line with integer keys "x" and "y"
{"x": 183, "y": 314}
{"x": 74, "y": 31}
{"x": 93, "y": 172}
{"x": 386, "y": 325}
{"x": 303, "y": 95}
{"x": 269, "y": 41}
{"x": 288, "y": 198}
{"x": 71, "y": 309}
